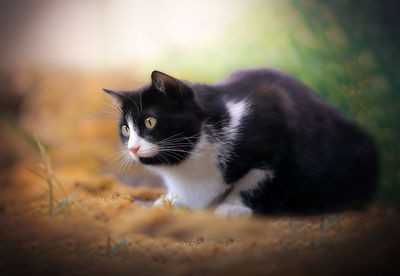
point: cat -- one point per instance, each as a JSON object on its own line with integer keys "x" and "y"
{"x": 256, "y": 141}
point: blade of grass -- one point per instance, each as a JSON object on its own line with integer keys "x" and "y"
{"x": 64, "y": 202}
{"x": 50, "y": 172}
{"x": 331, "y": 222}
{"x": 119, "y": 246}
{"x": 316, "y": 244}
{"x": 37, "y": 174}
{"x": 58, "y": 183}
{"x": 51, "y": 203}
{"x": 44, "y": 154}
{"x": 46, "y": 159}
{"x": 45, "y": 179}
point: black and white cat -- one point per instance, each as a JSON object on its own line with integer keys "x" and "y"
{"x": 258, "y": 140}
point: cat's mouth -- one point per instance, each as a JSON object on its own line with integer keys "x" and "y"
{"x": 159, "y": 156}
{"x": 168, "y": 152}
{"x": 139, "y": 152}
{"x": 140, "y": 148}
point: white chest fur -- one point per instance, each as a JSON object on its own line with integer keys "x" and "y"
{"x": 197, "y": 181}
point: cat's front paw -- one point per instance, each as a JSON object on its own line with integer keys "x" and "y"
{"x": 160, "y": 201}
{"x": 231, "y": 211}
{"x": 169, "y": 199}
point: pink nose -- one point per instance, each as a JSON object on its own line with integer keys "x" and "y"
{"x": 134, "y": 150}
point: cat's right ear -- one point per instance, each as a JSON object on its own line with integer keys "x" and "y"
{"x": 166, "y": 84}
{"x": 116, "y": 96}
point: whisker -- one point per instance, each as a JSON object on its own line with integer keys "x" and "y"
{"x": 175, "y": 145}
{"x": 177, "y": 139}
{"x": 116, "y": 153}
{"x": 124, "y": 165}
{"x": 174, "y": 139}
{"x": 118, "y": 157}
{"x": 128, "y": 164}
{"x": 162, "y": 156}
{"x": 113, "y": 104}
{"x": 120, "y": 161}
{"x": 173, "y": 156}
{"x": 118, "y": 166}
{"x": 110, "y": 112}
{"x": 171, "y": 136}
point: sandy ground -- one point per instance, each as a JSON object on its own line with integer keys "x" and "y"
{"x": 91, "y": 222}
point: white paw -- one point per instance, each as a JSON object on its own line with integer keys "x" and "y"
{"x": 169, "y": 199}
{"x": 159, "y": 201}
{"x": 177, "y": 202}
{"x": 231, "y": 211}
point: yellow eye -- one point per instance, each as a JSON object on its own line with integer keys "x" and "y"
{"x": 125, "y": 130}
{"x": 150, "y": 122}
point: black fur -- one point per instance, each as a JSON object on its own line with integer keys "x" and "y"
{"x": 321, "y": 160}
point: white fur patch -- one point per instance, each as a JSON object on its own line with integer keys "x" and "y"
{"x": 197, "y": 181}
{"x": 146, "y": 149}
{"x": 237, "y": 112}
{"x": 172, "y": 198}
{"x": 232, "y": 206}
{"x": 233, "y": 210}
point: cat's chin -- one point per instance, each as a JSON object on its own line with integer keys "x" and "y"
{"x": 145, "y": 160}
{"x": 158, "y": 160}
{"x": 151, "y": 161}
{"x": 134, "y": 157}
{"x": 141, "y": 158}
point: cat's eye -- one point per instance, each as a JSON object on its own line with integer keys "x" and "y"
{"x": 150, "y": 122}
{"x": 125, "y": 130}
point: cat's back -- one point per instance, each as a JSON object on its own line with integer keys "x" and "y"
{"x": 251, "y": 75}
{"x": 254, "y": 77}
{"x": 309, "y": 140}
{"x": 267, "y": 84}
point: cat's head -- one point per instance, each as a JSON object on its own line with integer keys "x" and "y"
{"x": 160, "y": 122}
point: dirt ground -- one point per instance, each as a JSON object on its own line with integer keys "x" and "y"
{"x": 69, "y": 210}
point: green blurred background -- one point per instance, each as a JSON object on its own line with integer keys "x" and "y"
{"x": 347, "y": 51}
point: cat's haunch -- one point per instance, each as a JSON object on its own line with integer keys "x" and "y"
{"x": 258, "y": 140}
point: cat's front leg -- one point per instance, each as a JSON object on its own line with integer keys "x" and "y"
{"x": 232, "y": 205}
{"x": 231, "y": 210}
{"x": 173, "y": 198}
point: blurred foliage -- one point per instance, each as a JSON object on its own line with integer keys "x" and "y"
{"x": 347, "y": 51}
{"x": 361, "y": 72}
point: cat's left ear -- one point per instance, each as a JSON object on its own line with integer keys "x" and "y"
{"x": 167, "y": 85}
{"x": 116, "y": 96}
